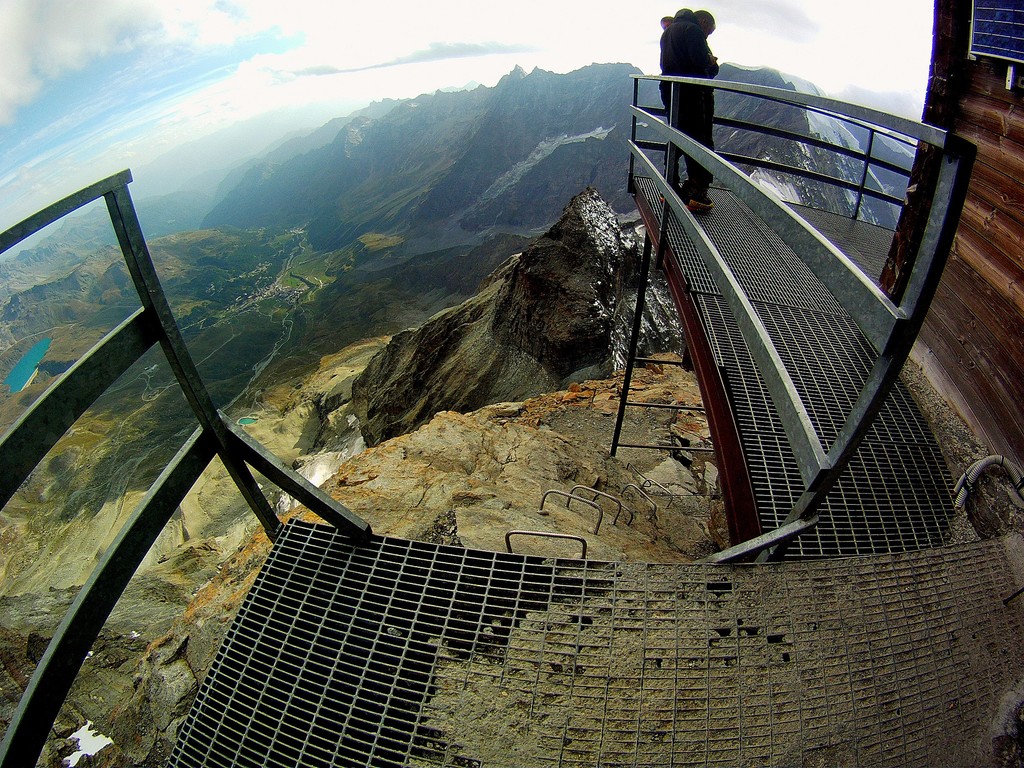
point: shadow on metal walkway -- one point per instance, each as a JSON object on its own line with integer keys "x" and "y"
{"x": 399, "y": 653}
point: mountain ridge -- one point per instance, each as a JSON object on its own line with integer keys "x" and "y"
{"x": 543, "y": 317}
{"x": 430, "y": 157}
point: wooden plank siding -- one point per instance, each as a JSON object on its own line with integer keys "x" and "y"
{"x": 972, "y": 344}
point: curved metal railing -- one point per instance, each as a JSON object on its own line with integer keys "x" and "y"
{"x": 866, "y": 130}
{"x": 27, "y": 442}
{"x": 547, "y": 535}
{"x": 889, "y": 323}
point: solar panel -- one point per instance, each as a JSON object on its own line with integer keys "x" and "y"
{"x": 997, "y": 29}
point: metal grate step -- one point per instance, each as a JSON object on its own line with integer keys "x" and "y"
{"x": 399, "y": 653}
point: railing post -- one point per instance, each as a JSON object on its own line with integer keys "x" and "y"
{"x": 864, "y": 173}
{"x": 673, "y": 153}
{"x": 634, "y": 339}
{"x": 632, "y": 134}
{"x": 143, "y": 274}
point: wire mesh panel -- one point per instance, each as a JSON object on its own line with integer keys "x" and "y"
{"x": 398, "y": 653}
{"x": 867, "y": 244}
{"x": 893, "y": 496}
{"x": 333, "y": 653}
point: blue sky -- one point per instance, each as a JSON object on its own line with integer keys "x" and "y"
{"x": 89, "y": 88}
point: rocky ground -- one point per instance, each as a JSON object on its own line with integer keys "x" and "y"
{"x": 476, "y": 476}
{"x": 462, "y": 479}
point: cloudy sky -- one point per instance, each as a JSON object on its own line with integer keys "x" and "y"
{"x": 88, "y": 88}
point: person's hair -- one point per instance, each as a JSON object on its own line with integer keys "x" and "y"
{"x": 702, "y": 17}
{"x": 669, "y": 19}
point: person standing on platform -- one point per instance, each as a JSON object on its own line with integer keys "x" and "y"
{"x": 685, "y": 53}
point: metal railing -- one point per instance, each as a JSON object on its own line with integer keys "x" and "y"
{"x": 861, "y": 123}
{"x": 890, "y": 325}
{"x": 27, "y": 442}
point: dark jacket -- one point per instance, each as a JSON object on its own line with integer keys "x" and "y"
{"x": 684, "y": 50}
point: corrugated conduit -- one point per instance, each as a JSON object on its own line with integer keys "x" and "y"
{"x": 968, "y": 479}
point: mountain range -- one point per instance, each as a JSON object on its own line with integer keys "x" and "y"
{"x": 413, "y": 187}
{"x": 491, "y": 158}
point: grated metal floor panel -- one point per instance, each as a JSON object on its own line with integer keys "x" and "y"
{"x": 895, "y": 494}
{"x": 398, "y": 653}
{"x": 867, "y": 244}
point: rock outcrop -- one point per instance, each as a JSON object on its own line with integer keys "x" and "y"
{"x": 544, "y": 318}
{"x": 476, "y": 476}
{"x": 464, "y": 480}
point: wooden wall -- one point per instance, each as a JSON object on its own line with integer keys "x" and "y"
{"x": 972, "y": 343}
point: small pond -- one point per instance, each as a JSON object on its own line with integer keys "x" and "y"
{"x": 27, "y": 367}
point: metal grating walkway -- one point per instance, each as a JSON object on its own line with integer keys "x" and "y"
{"x": 894, "y": 495}
{"x": 400, "y": 653}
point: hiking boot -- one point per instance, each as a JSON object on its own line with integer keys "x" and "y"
{"x": 700, "y": 202}
{"x": 684, "y": 190}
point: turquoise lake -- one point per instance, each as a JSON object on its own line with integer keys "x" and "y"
{"x": 23, "y": 372}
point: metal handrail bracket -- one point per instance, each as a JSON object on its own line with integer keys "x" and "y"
{"x": 572, "y": 497}
{"x": 597, "y": 494}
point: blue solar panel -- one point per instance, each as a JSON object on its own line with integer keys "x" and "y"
{"x": 997, "y": 29}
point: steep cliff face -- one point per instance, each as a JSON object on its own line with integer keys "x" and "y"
{"x": 462, "y": 480}
{"x": 558, "y": 303}
{"x": 544, "y": 316}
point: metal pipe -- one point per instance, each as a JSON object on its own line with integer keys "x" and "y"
{"x": 634, "y": 340}
{"x": 570, "y": 497}
{"x": 968, "y": 480}
{"x": 864, "y": 174}
{"x": 900, "y": 127}
{"x": 546, "y": 534}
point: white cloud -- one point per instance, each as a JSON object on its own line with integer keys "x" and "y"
{"x": 830, "y": 45}
{"x": 44, "y": 39}
{"x": 784, "y": 19}
{"x": 368, "y": 51}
